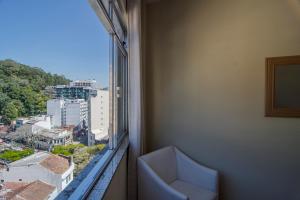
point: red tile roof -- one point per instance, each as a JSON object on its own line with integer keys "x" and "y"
{"x": 10, "y": 189}
{"x": 56, "y": 164}
{"x": 36, "y": 190}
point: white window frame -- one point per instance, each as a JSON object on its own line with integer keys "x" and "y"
{"x": 117, "y": 141}
{"x": 115, "y": 136}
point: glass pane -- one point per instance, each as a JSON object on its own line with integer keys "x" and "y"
{"x": 118, "y": 27}
{"x": 54, "y": 96}
{"x": 121, "y": 87}
{"x": 287, "y": 86}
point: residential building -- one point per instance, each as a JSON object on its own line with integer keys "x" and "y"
{"x": 72, "y": 92}
{"x": 50, "y": 91}
{"x": 84, "y": 83}
{"x": 32, "y": 126}
{"x": 67, "y": 112}
{"x": 79, "y": 89}
{"x": 3, "y": 129}
{"x": 51, "y": 169}
{"x": 46, "y": 139}
{"x": 99, "y": 116}
{"x": 43, "y": 121}
{"x": 75, "y": 112}
{"x": 55, "y": 109}
{"x": 41, "y": 134}
{"x": 21, "y": 121}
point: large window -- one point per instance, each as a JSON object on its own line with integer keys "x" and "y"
{"x": 63, "y": 94}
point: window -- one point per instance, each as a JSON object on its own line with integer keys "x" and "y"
{"x": 63, "y": 93}
{"x": 121, "y": 90}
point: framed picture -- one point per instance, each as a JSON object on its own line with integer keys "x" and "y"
{"x": 283, "y": 86}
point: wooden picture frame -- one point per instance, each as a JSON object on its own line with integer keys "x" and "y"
{"x": 283, "y": 86}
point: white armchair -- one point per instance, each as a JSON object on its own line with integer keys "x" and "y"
{"x": 168, "y": 174}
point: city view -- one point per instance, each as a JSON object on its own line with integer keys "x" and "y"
{"x": 54, "y": 120}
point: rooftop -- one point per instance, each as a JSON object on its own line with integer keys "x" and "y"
{"x": 36, "y": 190}
{"x": 54, "y": 163}
{"x": 54, "y": 133}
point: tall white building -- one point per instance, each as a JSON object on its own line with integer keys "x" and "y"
{"x": 99, "y": 116}
{"x": 67, "y": 112}
{"x": 75, "y": 111}
{"x": 55, "y": 109}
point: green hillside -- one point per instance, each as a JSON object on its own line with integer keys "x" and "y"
{"x": 22, "y": 89}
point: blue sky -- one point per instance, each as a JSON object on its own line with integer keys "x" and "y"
{"x": 59, "y": 36}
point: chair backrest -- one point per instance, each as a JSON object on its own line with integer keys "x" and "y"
{"x": 163, "y": 162}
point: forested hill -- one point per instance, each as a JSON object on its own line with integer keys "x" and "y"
{"x": 22, "y": 89}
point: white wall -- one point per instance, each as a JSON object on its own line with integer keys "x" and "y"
{"x": 104, "y": 109}
{"x": 99, "y": 114}
{"x": 44, "y": 123}
{"x": 54, "y": 108}
{"x": 72, "y": 114}
{"x": 31, "y": 173}
{"x": 75, "y": 112}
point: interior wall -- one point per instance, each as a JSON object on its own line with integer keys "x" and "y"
{"x": 205, "y": 87}
{"x": 117, "y": 189}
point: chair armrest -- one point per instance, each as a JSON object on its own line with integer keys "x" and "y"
{"x": 192, "y": 172}
{"x": 151, "y": 186}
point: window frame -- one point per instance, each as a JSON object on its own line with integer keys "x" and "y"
{"x": 118, "y": 142}
{"x": 115, "y": 136}
{"x": 106, "y": 16}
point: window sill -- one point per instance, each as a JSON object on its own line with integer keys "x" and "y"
{"x": 96, "y": 179}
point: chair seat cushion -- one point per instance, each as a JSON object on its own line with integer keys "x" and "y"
{"x": 193, "y": 192}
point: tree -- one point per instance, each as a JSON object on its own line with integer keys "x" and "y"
{"x": 40, "y": 102}
{"x": 28, "y": 98}
{"x": 10, "y": 111}
{"x": 20, "y": 107}
{"x": 4, "y": 99}
{"x": 22, "y": 89}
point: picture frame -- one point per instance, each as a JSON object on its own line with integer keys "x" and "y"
{"x": 282, "y": 86}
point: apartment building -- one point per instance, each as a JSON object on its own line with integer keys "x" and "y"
{"x": 67, "y": 112}
{"x": 39, "y": 121}
{"x": 79, "y": 89}
{"x": 46, "y": 139}
{"x": 75, "y": 112}
{"x": 99, "y": 115}
{"x": 84, "y": 83}
{"x": 21, "y": 121}
{"x": 32, "y": 126}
